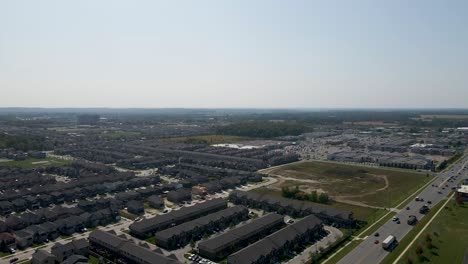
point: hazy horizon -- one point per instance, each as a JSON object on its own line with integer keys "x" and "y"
{"x": 239, "y": 54}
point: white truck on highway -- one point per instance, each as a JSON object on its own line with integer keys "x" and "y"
{"x": 389, "y": 242}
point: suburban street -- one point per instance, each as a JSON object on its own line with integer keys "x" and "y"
{"x": 369, "y": 252}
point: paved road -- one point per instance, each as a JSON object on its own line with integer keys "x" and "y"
{"x": 370, "y": 253}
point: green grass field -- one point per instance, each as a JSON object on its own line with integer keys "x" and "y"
{"x": 31, "y": 163}
{"x": 208, "y": 139}
{"x": 373, "y": 186}
{"x": 449, "y": 235}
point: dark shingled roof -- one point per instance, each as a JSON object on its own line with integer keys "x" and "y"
{"x": 154, "y": 223}
{"x": 313, "y": 208}
{"x": 42, "y": 255}
{"x": 274, "y": 241}
{"x": 129, "y": 249}
{"x": 241, "y": 233}
{"x": 199, "y": 222}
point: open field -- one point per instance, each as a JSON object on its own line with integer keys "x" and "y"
{"x": 370, "y": 215}
{"x": 208, "y": 139}
{"x": 367, "y": 185}
{"x": 448, "y": 232}
{"x": 35, "y": 163}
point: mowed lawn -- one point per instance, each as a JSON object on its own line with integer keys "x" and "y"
{"x": 369, "y": 185}
{"x": 31, "y": 163}
{"x": 449, "y": 235}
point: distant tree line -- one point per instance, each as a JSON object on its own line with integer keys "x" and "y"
{"x": 263, "y": 129}
{"x": 21, "y": 142}
{"x": 297, "y": 194}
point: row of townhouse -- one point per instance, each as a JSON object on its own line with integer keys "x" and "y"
{"x": 18, "y": 203}
{"x": 227, "y": 243}
{"x": 284, "y": 242}
{"x": 180, "y": 235}
{"x": 51, "y": 230}
{"x": 119, "y": 249}
{"x": 76, "y": 251}
{"x": 295, "y": 208}
{"x": 147, "y": 227}
{"x": 17, "y": 222}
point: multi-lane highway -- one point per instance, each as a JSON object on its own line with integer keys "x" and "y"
{"x": 368, "y": 252}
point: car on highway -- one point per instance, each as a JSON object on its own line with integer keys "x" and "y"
{"x": 13, "y": 260}
{"x": 412, "y": 220}
{"x": 424, "y": 209}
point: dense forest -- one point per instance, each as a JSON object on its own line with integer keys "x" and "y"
{"x": 24, "y": 143}
{"x": 263, "y": 129}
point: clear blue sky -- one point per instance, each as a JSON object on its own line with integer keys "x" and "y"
{"x": 220, "y": 53}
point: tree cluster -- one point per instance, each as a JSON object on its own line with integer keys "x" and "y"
{"x": 20, "y": 142}
{"x": 297, "y": 194}
{"x": 263, "y": 129}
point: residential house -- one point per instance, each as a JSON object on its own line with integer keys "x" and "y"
{"x": 42, "y": 257}
{"x": 24, "y": 238}
{"x": 135, "y": 207}
{"x": 155, "y": 202}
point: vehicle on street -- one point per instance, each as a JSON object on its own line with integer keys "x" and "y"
{"x": 376, "y": 242}
{"x": 376, "y": 234}
{"x": 424, "y": 209}
{"x": 389, "y": 243}
{"x": 394, "y": 219}
{"x": 412, "y": 220}
{"x": 13, "y": 260}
